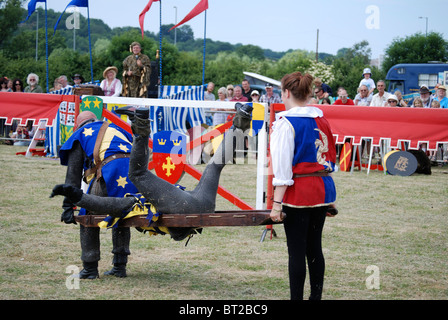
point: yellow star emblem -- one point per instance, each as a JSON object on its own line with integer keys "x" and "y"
{"x": 86, "y": 103}
{"x": 96, "y": 103}
{"x": 122, "y": 182}
{"x": 88, "y": 132}
{"x": 123, "y": 148}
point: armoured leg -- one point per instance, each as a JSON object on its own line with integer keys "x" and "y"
{"x": 166, "y": 197}
{"x": 121, "y": 238}
{"x": 90, "y": 252}
{"x": 90, "y": 240}
{"x": 170, "y": 199}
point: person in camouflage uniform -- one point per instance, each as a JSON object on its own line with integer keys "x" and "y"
{"x": 136, "y": 72}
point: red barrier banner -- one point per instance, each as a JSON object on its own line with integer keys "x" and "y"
{"x": 413, "y": 125}
{"x": 30, "y": 106}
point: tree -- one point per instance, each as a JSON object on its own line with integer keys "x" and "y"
{"x": 292, "y": 61}
{"x": 348, "y": 66}
{"x": 10, "y": 16}
{"x": 251, "y": 51}
{"x": 416, "y": 48}
{"x": 184, "y": 33}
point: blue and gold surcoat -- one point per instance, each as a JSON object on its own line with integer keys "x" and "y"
{"x": 115, "y": 141}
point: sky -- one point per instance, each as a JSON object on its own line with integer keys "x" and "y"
{"x": 283, "y": 24}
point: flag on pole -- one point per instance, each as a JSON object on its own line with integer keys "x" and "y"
{"x": 32, "y": 8}
{"x": 200, "y": 7}
{"x": 77, "y": 3}
{"x": 141, "y": 17}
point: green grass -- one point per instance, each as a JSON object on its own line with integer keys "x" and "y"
{"x": 398, "y": 224}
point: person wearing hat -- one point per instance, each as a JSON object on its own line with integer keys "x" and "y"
{"x": 255, "y": 95}
{"x": 111, "y": 85}
{"x": 367, "y": 81}
{"x": 425, "y": 95}
{"x": 270, "y": 96}
{"x": 77, "y": 79}
{"x": 392, "y": 101}
{"x": 441, "y": 97}
{"x": 136, "y": 73}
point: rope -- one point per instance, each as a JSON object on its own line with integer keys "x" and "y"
{"x": 203, "y": 55}
{"x": 160, "y": 49}
{"x": 90, "y": 44}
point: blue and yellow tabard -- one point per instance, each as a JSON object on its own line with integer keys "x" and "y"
{"x": 115, "y": 141}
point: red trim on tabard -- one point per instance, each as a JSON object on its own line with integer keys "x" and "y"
{"x": 305, "y": 192}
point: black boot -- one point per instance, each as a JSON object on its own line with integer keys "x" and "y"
{"x": 141, "y": 127}
{"x": 139, "y": 116}
{"x": 132, "y": 112}
{"x": 90, "y": 271}
{"x": 119, "y": 270}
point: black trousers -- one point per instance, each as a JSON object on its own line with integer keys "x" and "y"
{"x": 303, "y": 228}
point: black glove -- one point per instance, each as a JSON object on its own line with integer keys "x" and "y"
{"x": 72, "y": 193}
{"x": 68, "y": 215}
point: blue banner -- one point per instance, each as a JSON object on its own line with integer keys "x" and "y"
{"x": 77, "y": 3}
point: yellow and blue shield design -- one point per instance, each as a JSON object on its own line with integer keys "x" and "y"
{"x": 169, "y": 155}
{"x": 257, "y": 118}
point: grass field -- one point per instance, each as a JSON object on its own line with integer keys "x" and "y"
{"x": 389, "y": 241}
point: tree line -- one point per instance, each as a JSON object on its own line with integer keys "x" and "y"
{"x": 182, "y": 62}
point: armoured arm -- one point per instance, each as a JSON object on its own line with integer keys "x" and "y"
{"x": 73, "y": 177}
{"x": 114, "y": 206}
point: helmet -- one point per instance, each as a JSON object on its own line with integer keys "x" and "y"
{"x": 84, "y": 118}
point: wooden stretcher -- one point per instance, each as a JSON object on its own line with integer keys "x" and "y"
{"x": 216, "y": 219}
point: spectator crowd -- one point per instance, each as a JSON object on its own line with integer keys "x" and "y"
{"x": 369, "y": 93}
